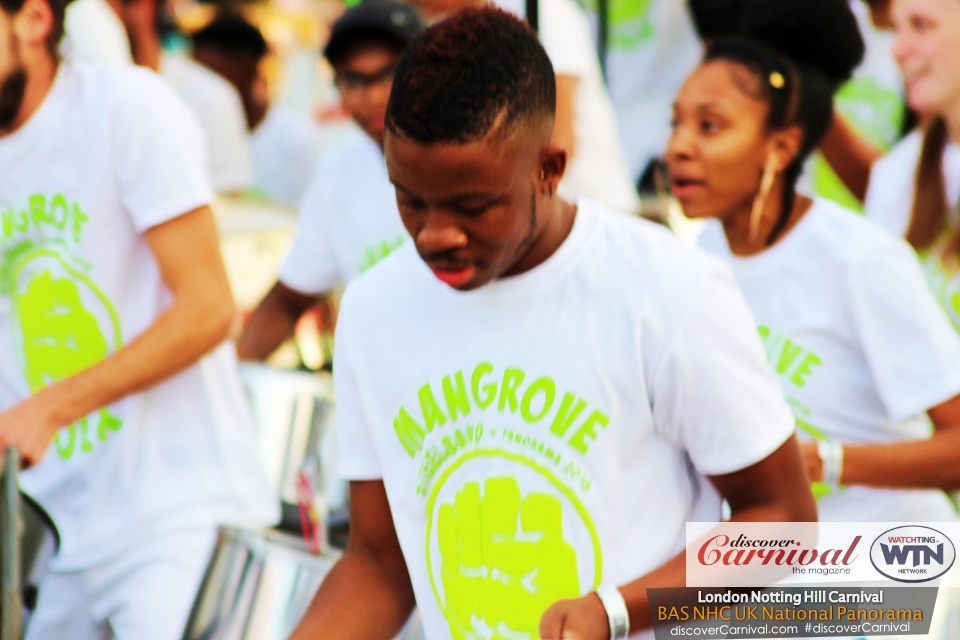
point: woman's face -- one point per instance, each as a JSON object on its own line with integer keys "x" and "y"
{"x": 719, "y": 144}
{"x": 927, "y": 47}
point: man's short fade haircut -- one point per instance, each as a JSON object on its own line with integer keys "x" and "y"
{"x": 480, "y": 68}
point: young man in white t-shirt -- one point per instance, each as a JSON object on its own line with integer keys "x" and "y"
{"x": 348, "y": 217}
{"x": 533, "y": 397}
{"x": 115, "y": 381}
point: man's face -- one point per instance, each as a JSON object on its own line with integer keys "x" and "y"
{"x": 471, "y": 208}
{"x": 13, "y": 76}
{"x": 364, "y": 75}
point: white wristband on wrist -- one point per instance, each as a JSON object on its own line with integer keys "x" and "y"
{"x": 617, "y": 614}
{"x": 831, "y": 457}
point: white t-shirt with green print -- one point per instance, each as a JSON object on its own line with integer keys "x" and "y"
{"x": 861, "y": 348}
{"x": 111, "y": 153}
{"x": 548, "y": 431}
{"x": 348, "y": 219}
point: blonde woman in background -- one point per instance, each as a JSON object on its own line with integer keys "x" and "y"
{"x": 915, "y": 189}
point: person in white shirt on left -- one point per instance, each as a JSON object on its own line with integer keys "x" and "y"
{"x": 286, "y": 144}
{"x": 213, "y": 100}
{"x": 862, "y": 351}
{"x": 117, "y": 383}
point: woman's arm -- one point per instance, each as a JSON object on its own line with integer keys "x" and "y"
{"x": 933, "y": 463}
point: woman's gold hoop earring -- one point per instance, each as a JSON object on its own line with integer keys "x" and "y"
{"x": 766, "y": 183}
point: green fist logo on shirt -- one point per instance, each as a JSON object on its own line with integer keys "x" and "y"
{"x": 504, "y": 560}
{"x": 60, "y": 314}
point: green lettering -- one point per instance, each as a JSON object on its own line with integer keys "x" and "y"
{"x": 456, "y": 397}
{"x": 22, "y": 223}
{"x": 8, "y": 222}
{"x": 788, "y": 354}
{"x": 79, "y": 220}
{"x": 565, "y": 417}
{"x": 59, "y": 203}
{"x": 764, "y": 333}
{"x": 38, "y": 210}
{"x": 512, "y": 378}
{"x": 490, "y": 390}
{"x": 805, "y": 369}
{"x": 587, "y": 432}
{"x": 549, "y": 389}
{"x": 432, "y": 415}
{"x": 408, "y": 431}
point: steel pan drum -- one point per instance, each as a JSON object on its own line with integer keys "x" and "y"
{"x": 257, "y": 586}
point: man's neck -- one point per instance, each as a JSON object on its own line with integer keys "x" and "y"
{"x": 40, "y": 76}
{"x": 560, "y": 224}
{"x": 146, "y": 49}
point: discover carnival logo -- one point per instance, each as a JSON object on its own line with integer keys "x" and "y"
{"x": 912, "y": 553}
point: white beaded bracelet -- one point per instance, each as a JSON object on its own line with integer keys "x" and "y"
{"x": 831, "y": 457}
{"x": 617, "y": 614}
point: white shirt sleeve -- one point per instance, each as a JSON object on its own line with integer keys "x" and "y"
{"x": 310, "y": 267}
{"x": 94, "y": 33}
{"x": 356, "y": 456}
{"x": 910, "y": 346}
{"x": 159, "y": 159}
{"x": 714, "y": 395}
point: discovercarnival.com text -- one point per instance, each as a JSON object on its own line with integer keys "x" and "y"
{"x": 766, "y": 631}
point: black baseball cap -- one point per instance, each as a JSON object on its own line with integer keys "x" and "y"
{"x": 385, "y": 18}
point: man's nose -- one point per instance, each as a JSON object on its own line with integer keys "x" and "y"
{"x": 440, "y": 233}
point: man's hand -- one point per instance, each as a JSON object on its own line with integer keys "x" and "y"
{"x": 29, "y": 426}
{"x": 580, "y": 619}
{"x": 273, "y": 321}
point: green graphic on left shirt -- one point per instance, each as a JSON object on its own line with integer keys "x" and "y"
{"x": 61, "y": 322}
{"x": 374, "y": 253}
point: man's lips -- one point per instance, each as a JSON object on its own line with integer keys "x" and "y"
{"x": 456, "y": 278}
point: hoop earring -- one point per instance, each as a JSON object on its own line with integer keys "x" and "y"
{"x": 766, "y": 183}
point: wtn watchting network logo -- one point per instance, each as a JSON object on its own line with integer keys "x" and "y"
{"x": 912, "y": 554}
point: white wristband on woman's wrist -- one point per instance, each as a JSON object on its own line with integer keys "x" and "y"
{"x": 831, "y": 458}
{"x": 617, "y": 614}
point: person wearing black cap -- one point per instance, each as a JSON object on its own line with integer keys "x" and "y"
{"x": 285, "y": 143}
{"x": 348, "y": 217}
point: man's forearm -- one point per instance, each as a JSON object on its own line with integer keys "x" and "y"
{"x": 183, "y": 334}
{"x": 272, "y": 322}
{"x": 359, "y": 600}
